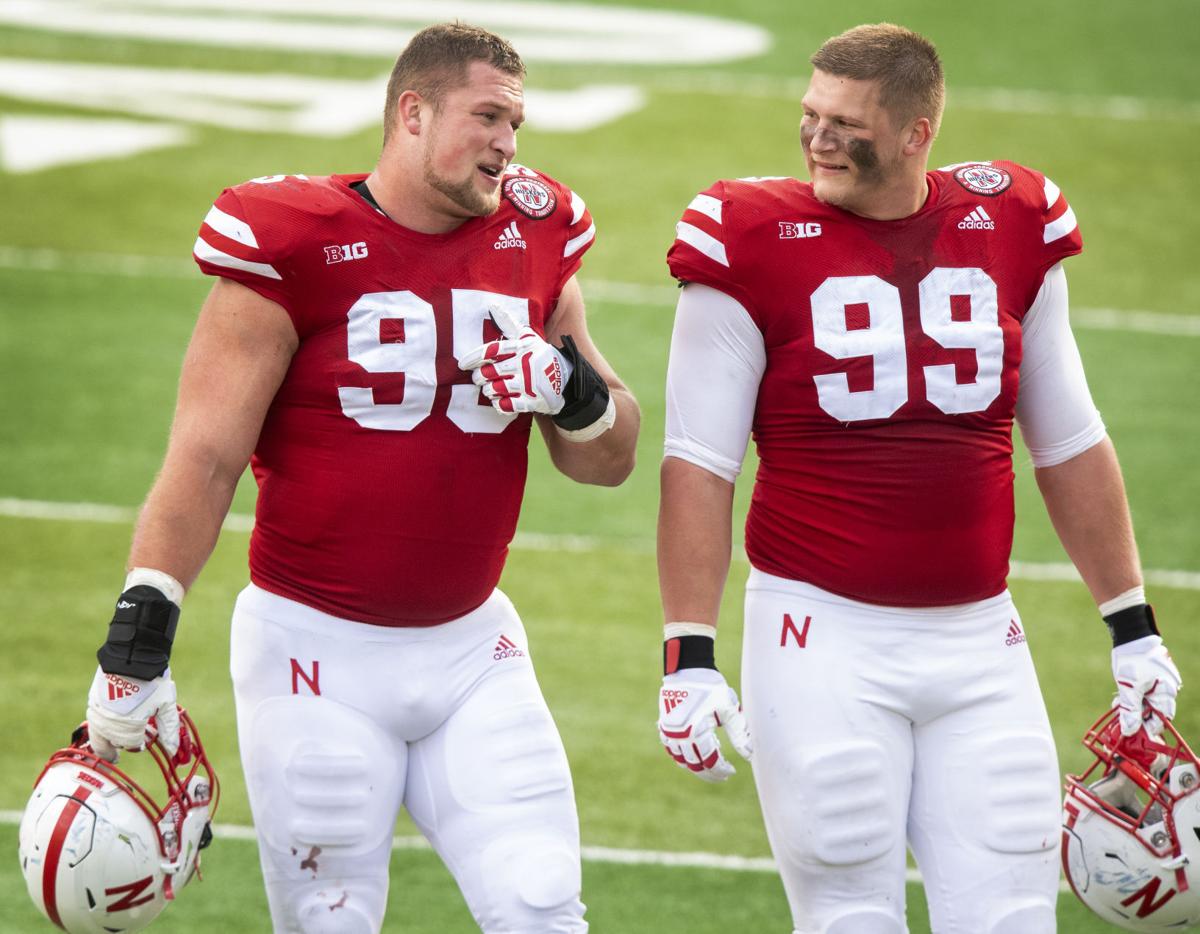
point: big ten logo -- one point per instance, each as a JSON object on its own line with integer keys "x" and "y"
{"x": 345, "y": 252}
{"x": 798, "y": 230}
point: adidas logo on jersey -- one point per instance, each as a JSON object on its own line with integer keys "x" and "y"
{"x": 672, "y": 699}
{"x": 506, "y": 648}
{"x": 1015, "y": 636}
{"x": 509, "y": 238}
{"x": 119, "y": 688}
{"x": 977, "y": 220}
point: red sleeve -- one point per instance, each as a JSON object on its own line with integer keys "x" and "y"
{"x": 1056, "y": 231}
{"x": 703, "y": 250}
{"x": 1049, "y": 231}
{"x": 580, "y": 235}
{"x": 1060, "y": 231}
{"x": 237, "y": 243}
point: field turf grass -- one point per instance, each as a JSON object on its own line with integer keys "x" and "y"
{"x": 90, "y": 349}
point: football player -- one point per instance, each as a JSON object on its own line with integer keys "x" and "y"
{"x": 878, "y": 329}
{"x": 377, "y": 347}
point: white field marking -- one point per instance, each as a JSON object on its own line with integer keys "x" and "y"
{"x": 591, "y": 854}
{"x": 262, "y": 103}
{"x": 600, "y": 290}
{"x": 540, "y": 541}
{"x": 990, "y": 100}
{"x": 541, "y": 31}
{"x": 32, "y": 143}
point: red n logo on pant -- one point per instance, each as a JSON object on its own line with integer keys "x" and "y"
{"x": 801, "y": 635}
{"x": 299, "y": 674}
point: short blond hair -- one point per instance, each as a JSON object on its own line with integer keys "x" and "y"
{"x": 905, "y": 65}
{"x": 436, "y": 61}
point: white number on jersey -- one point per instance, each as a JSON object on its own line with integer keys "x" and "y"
{"x": 416, "y": 358}
{"x": 883, "y": 341}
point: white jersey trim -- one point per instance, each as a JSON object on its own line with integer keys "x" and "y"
{"x": 1055, "y": 230}
{"x": 1052, "y": 194}
{"x": 577, "y": 208}
{"x": 229, "y": 226}
{"x": 1055, "y": 411}
{"x": 575, "y": 244}
{"x": 695, "y": 237}
{"x": 717, "y": 361}
{"x": 706, "y": 205}
{"x": 210, "y": 254}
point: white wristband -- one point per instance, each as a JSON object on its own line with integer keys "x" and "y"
{"x": 1134, "y": 596}
{"x": 675, "y": 630}
{"x": 171, "y": 588}
{"x": 596, "y": 428}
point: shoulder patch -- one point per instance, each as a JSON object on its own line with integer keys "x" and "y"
{"x": 531, "y": 196}
{"x": 982, "y": 179}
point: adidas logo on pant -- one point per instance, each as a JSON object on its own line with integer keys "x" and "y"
{"x": 1015, "y": 636}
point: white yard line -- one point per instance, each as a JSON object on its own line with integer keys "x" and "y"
{"x": 600, "y": 290}
{"x": 592, "y": 854}
{"x": 540, "y": 541}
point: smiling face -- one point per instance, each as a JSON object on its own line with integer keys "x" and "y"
{"x": 858, "y": 158}
{"x": 469, "y": 139}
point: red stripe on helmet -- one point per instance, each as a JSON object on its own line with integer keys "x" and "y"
{"x": 54, "y": 852}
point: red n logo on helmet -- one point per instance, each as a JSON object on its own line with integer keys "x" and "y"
{"x": 1146, "y": 893}
{"x": 133, "y": 889}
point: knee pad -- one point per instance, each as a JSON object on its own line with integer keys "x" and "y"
{"x": 834, "y": 804}
{"x": 866, "y": 921}
{"x": 533, "y": 884}
{"x": 1016, "y": 789}
{"x": 322, "y": 775}
{"x": 334, "y": 912}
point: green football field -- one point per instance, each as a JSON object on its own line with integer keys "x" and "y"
{"x": 98, "y": 295}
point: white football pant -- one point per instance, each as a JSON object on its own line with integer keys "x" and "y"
{"x": 874, "y": 725}
{"x": 341, "y": 723}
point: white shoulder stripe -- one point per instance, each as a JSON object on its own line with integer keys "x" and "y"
{"x": 1052, "y": 194}
{"x": 575, "y": 244}
{"x": 1061, "y": 227}
{"x": 229, "y": 226}
{"x": 211, "y": 254}
{"x": 707, "y": 205}
{"x": 697, "y": 238}
{"x": 577, "y": 208}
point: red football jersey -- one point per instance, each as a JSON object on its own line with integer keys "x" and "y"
{"x": 884, "y": 417}
{"x": 389, "y": 487}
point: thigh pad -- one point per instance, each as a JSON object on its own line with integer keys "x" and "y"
{"x": 323, "y": 775}
{"x": 834, "y": 804}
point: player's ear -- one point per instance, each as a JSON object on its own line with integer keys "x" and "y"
{"x": 918, "y": 136}
{"x": 408, "y": 112}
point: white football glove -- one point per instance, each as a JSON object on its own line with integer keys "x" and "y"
{"x": 693, "y": 702}
{"x": 1147, "y": 683}
{"x": 119, "y": 712}
{"x": 521, "y": 372}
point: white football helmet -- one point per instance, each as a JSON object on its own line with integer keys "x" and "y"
{"x": 98, "y": 853}
{"x": 1131, "y": 829}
